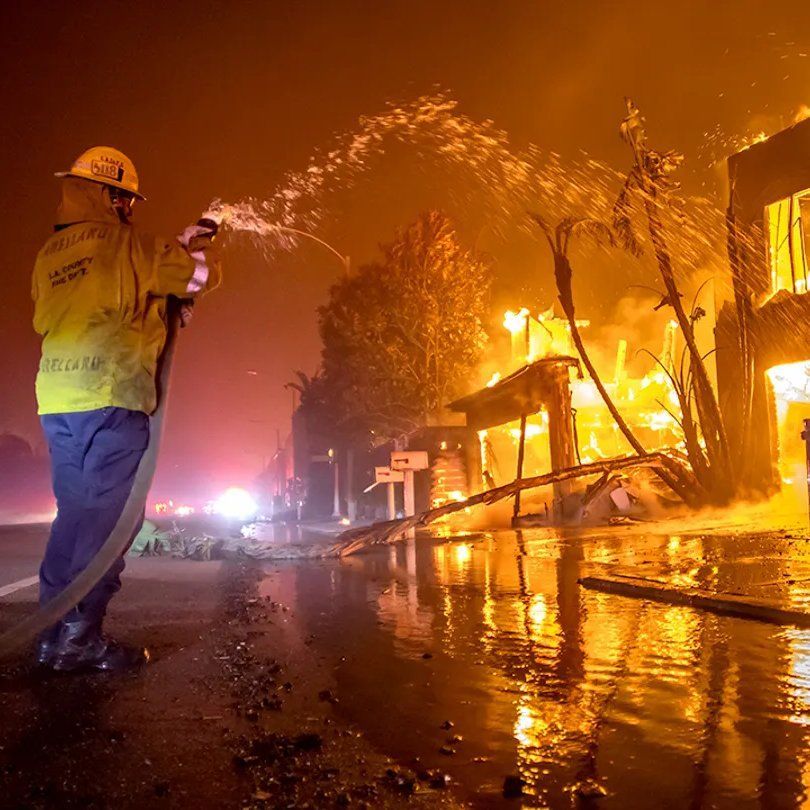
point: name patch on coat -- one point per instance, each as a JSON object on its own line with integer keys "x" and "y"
{"x": 61, "y": 364}
{"x": 70, "y": 272}
{"x": 64, "y": 242}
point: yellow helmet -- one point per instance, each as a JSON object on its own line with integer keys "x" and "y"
{"x": 103, "y": 164}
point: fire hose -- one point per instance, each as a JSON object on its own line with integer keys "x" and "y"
{"x": 120, "y": 537}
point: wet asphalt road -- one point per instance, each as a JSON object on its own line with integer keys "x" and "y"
{"x": 469, "y": 662}
{"x": 591, "y": 699}
{"x": 93, "y": 740}
{"x": 234, "y": 709}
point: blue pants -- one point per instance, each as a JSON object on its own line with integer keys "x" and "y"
{"x": 94, "y": 457}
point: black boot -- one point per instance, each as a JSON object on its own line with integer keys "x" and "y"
{"x": 82, "y": 646}
{"x": 47, "y": 644}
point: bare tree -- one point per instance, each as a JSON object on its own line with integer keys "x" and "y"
{"x": 651, "y": 179}
{"x": 559, "y": 239}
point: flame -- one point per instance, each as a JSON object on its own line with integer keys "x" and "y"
{"x": 531, "y": 431}
{"x": 791, "y": 388}
{"x": 801, "y": 114}
{"x": 748, "y": 142}
{"x": 658, "y": 420}
{"x": 515, "y": 321}
{"x": 649, "y": 402}
{"x": 791, "y": 382}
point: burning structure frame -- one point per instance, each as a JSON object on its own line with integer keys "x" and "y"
{"x": 767, "y": 324}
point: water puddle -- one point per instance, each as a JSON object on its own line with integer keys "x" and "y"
{"x": 491, "y": 640}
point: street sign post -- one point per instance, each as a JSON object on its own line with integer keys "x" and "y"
{"x": 389, "y": 477}
{"x": 409, "y": 461}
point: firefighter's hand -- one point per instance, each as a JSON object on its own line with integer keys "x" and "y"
{"x": 186, "y": 311}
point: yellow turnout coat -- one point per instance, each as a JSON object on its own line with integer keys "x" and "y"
{"x": 99, "y": 289}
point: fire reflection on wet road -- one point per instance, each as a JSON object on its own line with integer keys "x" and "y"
{"x": 588, "y": 697}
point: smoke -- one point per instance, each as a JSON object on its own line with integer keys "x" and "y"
{"x": 634, "y": 320}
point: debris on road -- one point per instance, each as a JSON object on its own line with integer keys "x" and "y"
{"x": 747, "y": 607}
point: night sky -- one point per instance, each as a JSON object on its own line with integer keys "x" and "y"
{"x": 219, "y": 100}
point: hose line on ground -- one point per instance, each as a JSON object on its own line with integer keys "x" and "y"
{"x": 119, "y": 538}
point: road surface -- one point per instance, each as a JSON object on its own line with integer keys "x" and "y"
{"x": 473, "y": 671}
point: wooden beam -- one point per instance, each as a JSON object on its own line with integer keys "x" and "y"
{"x": 521, "y": 455}
{"x": 746, "y": 607}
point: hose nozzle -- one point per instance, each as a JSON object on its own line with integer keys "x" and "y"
{"x": 218, "y": 213}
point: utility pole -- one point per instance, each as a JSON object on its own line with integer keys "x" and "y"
{"x": 346, "y": 262}
{"x": 806, "y": 436}
{"x": 336, "y": 497}
{"x": 410, "y": 501}
{"x": 351, "y": 501}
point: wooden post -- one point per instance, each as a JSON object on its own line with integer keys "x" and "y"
{"x": 805, "y": 434}
{"x": 392, "y": 503}
{"x": 409, "y": 501}
{"x": 336, "y": 493}
{"x": 561, "y": 430}
{"x": 351, "y": 501}
{"x": 521, "y": 454}
{"x": 528, "y": 337}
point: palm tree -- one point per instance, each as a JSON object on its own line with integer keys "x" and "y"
{"x": 651, "y": 179}
{"x": 559, "y": 239}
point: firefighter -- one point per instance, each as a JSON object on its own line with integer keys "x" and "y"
{"x": 101, "y": 288}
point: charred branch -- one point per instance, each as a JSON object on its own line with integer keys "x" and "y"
{"x": 352, "y": 541}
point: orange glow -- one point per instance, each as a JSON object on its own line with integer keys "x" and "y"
{"x": 531, "y": 430}
{"x": 515, "y": 322}
{"x": 791, "y": 388}
{"x": 787, "y": 225}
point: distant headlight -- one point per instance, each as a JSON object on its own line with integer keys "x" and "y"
{"x": 236, "y": 503}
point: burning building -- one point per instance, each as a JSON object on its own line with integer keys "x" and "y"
{"x": 763, "y": 335}
{"x": 541, "y": 414}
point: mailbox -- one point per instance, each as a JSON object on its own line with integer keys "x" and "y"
{"x": 385, "y": 475}
{"x": 409, "y": 460}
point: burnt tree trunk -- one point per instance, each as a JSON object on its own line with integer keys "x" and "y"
{"x": 711, "y": 420}
{"x": 563, "y": 275}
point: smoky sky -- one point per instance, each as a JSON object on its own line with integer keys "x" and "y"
{"x": 221, "y": 99}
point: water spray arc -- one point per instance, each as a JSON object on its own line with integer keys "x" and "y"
{"x": 344, "y": 260}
